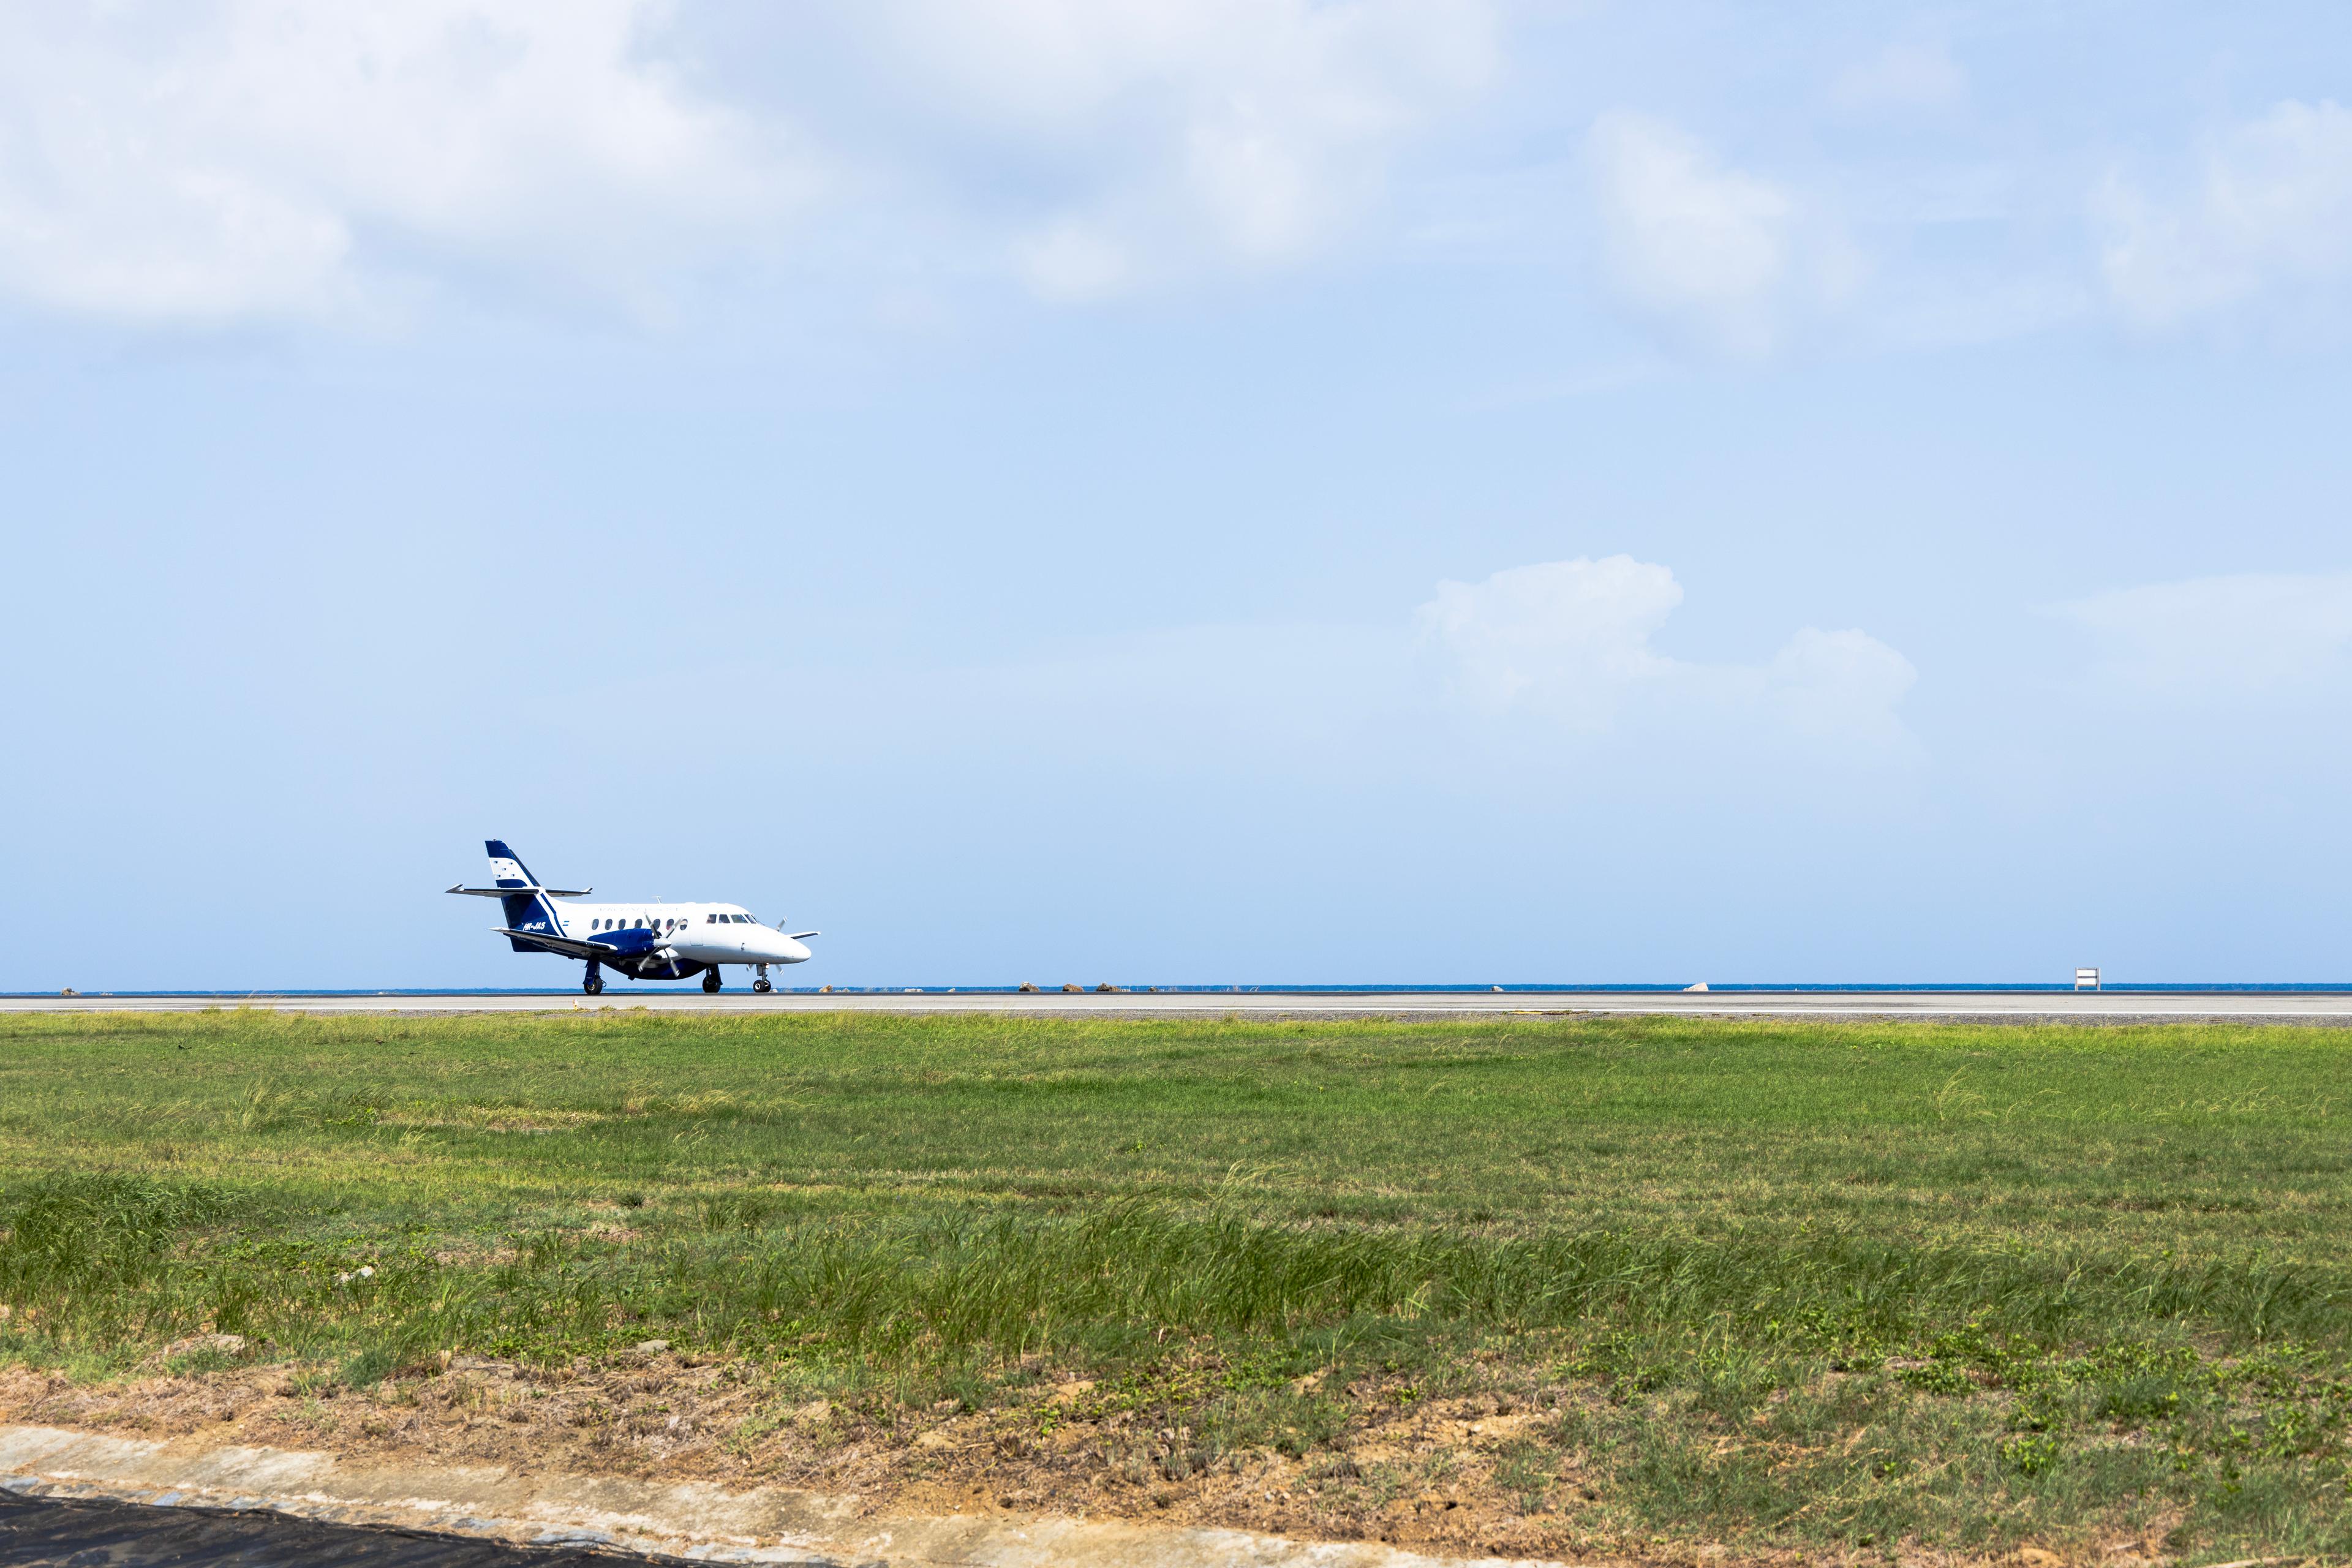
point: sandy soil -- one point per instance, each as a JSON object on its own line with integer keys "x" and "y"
{"x": 1422, "y": 1477}
{"x": 662, "y": 1417}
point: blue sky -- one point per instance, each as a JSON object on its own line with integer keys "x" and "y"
{"x": 1231, "y": 490}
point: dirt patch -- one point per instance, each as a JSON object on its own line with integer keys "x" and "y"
{"x": 1422, "y": 1480}
{"x": 1451, "y": 1477}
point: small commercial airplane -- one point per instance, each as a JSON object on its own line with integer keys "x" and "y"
{"x": 644, "y": 941}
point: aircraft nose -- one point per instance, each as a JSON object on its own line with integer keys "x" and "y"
{"x": 794, "y": 952}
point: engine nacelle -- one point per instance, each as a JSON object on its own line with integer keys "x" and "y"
{"x": 661, "y": 967}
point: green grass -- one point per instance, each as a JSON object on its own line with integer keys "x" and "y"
{"x": 1847, "y": 1284}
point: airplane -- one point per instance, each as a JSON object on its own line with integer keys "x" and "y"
{"x": 641, "y": 941}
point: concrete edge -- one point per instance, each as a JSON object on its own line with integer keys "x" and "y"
{"x": 691, "y": 1520}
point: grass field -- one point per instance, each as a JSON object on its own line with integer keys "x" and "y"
{"x": 1852, "y": 1288}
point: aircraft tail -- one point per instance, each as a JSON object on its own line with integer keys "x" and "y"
{"x": 525, "y": 910}
{"x": 505, "y": 869}
{"x": 526, "y": 904}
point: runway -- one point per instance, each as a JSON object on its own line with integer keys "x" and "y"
{"x": 2280, "y": 1006}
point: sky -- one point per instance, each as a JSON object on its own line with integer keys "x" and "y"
{"x": 1181, "y": 491}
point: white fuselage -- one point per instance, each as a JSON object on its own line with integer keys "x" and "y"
{"x": 699, "y": 933}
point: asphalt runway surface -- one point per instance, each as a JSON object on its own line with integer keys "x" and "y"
{"x": 2310, "y": 1006}
{"x": 99, "y": 1534}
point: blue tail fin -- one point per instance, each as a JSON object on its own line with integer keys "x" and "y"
{"x": 506, "y": 871}
{"x": 525, "y": 910}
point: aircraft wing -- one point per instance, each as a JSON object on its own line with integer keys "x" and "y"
{"x": 568, "y": 946}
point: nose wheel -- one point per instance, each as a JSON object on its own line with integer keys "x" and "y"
{"x": 761, "y": 984}
{"x": 711, "y": 982}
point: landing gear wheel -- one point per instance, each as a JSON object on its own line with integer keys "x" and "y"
{"x": 711, "y": 982}
{"x": 762, "y": 985}
{"x": 594, "y": 986}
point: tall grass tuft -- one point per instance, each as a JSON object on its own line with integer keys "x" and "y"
{"x": 80, "y": 1229}
{"x": 1013, "y": 1284}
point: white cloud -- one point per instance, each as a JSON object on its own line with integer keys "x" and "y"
{"x": 1901, "y": 77}
{"x": 1187, "y": 134}
{"x": 2268, "y": 214}
{"x": 1075, "y": 260}
{"x": 1719, "y": 257}
{"x": 1828, "y": 683}
{"x": 268, "y": 157}
{"x": 1570, "y": 641}
{"x": 240, "y": 159}
{"x": 1571, "y": 636}
{"x": 2220, "y": 638}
